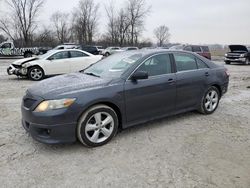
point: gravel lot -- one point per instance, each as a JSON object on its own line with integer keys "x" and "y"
{"x": 188, "y": 150}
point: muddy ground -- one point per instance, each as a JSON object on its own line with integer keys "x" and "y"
{"x": 188, "y": 150}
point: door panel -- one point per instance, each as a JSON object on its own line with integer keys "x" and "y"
{"x": 58, "y": 63}
{"x": 191, "y": 82}
{"x": 190, "y": 88}
{"x": 146, "y": 99}
{"x": 155, "y": 96}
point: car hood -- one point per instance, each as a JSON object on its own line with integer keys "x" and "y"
{"x": 68, "y": 83}
{"x": 25, "y": 60}
{"x": 234, "y": 48}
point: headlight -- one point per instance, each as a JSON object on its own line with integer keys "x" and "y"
{"x": 242, "y": 55}
{"x": 54, "y": 104}
{"x": 226, "y": 55}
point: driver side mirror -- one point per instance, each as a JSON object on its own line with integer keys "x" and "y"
{"x": 139, "y": 75}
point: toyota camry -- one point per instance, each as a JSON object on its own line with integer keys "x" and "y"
{"x": 120, "y": 91}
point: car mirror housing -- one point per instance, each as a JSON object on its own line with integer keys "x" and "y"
{"x": 139, "y": 75}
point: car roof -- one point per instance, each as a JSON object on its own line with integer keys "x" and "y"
{"x": 63, "y": 50}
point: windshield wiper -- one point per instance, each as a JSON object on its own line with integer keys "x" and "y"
{"x": 92, "y": 74}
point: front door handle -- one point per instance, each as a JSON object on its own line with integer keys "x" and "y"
{"x": 171, "y": 80}
{"x": 207, "y": 74}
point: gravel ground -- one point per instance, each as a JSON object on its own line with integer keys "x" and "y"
{"x": 188, "y": 150}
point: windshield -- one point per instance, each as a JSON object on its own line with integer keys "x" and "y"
{"x": 113, "y": 66}
{"x": 46, "y": 55}
{"x": 178, "y": 47}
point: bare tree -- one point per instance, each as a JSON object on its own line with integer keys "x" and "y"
{"x": 61, "y": 24}
{"x": 24, "y": 13}
{"x": 85, "y": 21}
{"x": 137, "y": 11}
{"x": 162, "y": 34}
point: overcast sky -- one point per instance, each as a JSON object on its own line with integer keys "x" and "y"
{"x": 189, "y": 21}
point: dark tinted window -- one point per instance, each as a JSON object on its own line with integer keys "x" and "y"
{"x": 157, "y": 65}
{"x": 132, "y": 48}
{"x": 185, "y": 62}
{"x": 205, "y": 48}
{"x": 188, "y": 48}
{"x": 201, "y": 64}
{"x": 59, "y": 55}
{"x": 196, "y": 49}
{"x": 6, "y": 45}
{"x": 75, "y": 54}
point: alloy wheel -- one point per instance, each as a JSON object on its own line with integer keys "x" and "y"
{"x": 36, "y": 74}
{"x": 99, "y": 127}
{"x": 211, "y": 100}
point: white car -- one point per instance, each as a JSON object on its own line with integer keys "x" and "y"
{"x": 54, "y": 62}
{"x": 111, "y": 50}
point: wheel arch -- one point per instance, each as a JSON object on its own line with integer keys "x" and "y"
{"x": 218, "y": 87}
{"x": 35, "y": 65}
{"x": 109, "y": 104}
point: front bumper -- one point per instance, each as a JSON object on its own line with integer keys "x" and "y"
{"x": 51, "y": 134}
{"x": 11, "y": 70}
{"x": 236, "y": 60}
{"x": 53, "y": 127}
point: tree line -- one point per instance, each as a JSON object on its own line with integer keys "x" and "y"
{"x": 124, "y": 26}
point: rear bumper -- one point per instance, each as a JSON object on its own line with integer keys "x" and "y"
{"x": 224, "y": 88}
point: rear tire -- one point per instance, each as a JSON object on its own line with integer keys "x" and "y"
{"x": 97, "y": 126}
{"x": 210, "y": 101}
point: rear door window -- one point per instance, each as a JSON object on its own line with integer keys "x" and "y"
{"x": 201, "y": 64}
{"x": 185, "y": 62}
{"x": 75, "y": 54}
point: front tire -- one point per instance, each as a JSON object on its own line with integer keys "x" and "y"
{"x": 36, "y": 73}
{"x": 97, "y": 126}
{"x": 248, "y": 62}
{"x": 228, "y": 62}
{"x": 210, "y": 101}
{"x": 107, "y": 54}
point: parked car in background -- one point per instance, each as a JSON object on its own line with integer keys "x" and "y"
{"x": 129, "y": 49}
{"x": 111, "y": 50}
{"x": 66, "y": 46}
{"x": 238, "y": 54}
{"x": 199, "y": 49}
{"x": 8, "y": 49}
{"x": 43, "y": 50}
{"x": 91, "y": 49}
{"x": 120, "y": 91}
{"x": 54, "y": 62}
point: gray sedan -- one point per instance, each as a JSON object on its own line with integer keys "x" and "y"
{"x": 120, "y": 91}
